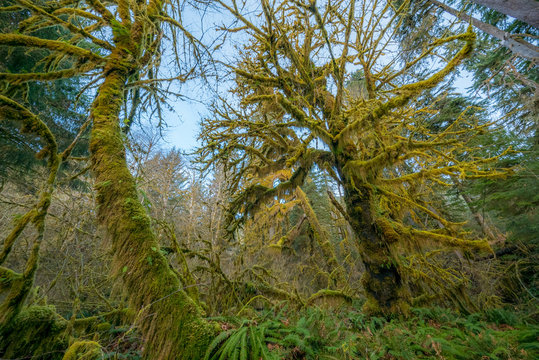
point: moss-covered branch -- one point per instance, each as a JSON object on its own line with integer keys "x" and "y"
{"x": 409, "y": 91}
{"x": 53, "y": 45}
{"x": 69, "y": 26}
{"x": 7, "y": 278}
{"x": 17, "y": 78}
{"x": 84, "y": 350}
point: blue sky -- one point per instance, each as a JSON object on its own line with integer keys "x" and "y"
{"x": 183, "y": 125}
{"x": 183, "y": 122}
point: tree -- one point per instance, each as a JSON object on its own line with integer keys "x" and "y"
{"x": 513, "y": 202}
{"x": 516, "y": 45}
{"x": 297, "y": 113}
{"x": 504, "y": 63}
{"x": 117, "y": 45}
{"x": 508, "y": 79}
{"x": 521, "y": 9}
{"x": 56, "y": 104}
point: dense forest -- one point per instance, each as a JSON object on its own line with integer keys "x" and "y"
{"x": 364, "y": 183}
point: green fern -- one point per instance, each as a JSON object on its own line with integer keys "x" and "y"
{"x": 248, "y": 341}
{"x": 315, "y": 334}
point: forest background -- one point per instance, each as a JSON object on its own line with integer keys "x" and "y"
{"x": 347, "y": 197}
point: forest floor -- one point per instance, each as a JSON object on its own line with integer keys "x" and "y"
{"x": 316, "y": 333}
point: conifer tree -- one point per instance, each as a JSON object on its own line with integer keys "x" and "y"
{"x": 56, "y": 103}
{"x": 506, "y": 76}
{"x": 509, "y": 81}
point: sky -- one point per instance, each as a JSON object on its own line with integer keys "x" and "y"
{"x": 183, "y": 121}
{"x": 183, "y": 125}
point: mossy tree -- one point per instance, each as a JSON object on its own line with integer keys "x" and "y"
{"x": 18, "y": 286}
{"x": 509, "y": 82}
{"x": 117, "y": 45}
{"x": 299, "y": 110}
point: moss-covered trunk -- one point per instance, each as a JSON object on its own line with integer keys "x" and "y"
{"x": 382, "y": 281}
{"x": 169, "y": 320}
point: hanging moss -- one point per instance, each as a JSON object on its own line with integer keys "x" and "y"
{"x": 322, "y": 239}
{"x": 37, "y": 331}
{"x": 170, "y": 321}
{"x": 83, "y": 350}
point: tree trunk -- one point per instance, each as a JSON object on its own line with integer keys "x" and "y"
{"x": 492, "y": 233}
{"x": 169, "y": 320}
{"x": 523, "y": 10}
{"x": 517, "y": 46}
{"x": 382, "y": 281}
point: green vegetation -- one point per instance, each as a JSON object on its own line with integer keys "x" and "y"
{"x": 348, "y": 198}
{"x": 341, "y": 334}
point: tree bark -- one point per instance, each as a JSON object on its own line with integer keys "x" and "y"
{"x": 523, "y": 10}
{"x": 169, "y": 320}
{"x": 517, "y": 46}
{"x": 382, "y": 281}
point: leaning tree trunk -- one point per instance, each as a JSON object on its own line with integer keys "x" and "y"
{"x": 384, "y": 287}
{"x": 517, "y": 46}
{"x": 524, "y": 10}
{"x": 493, "y": 234}
{"x": 169, "y": 320}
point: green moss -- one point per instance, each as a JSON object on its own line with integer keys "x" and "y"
{"x": 83, "y": 350}
{"x": 322, "y": 239}
{"x": 35, "y": 331}
{"x": 329, "y": 296}
{"x": 386, "y": 230}
{"x": 170, "y": 321}
{"x": 53, "y": 45}
{"x": 7, "y": 278}
{"x": 103, "y": 327}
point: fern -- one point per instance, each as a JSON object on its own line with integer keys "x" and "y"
{"x": 245, "y": 342}
{"x": 432, "y": 333}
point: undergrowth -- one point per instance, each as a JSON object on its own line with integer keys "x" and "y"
{"x": 431, "y": 333}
